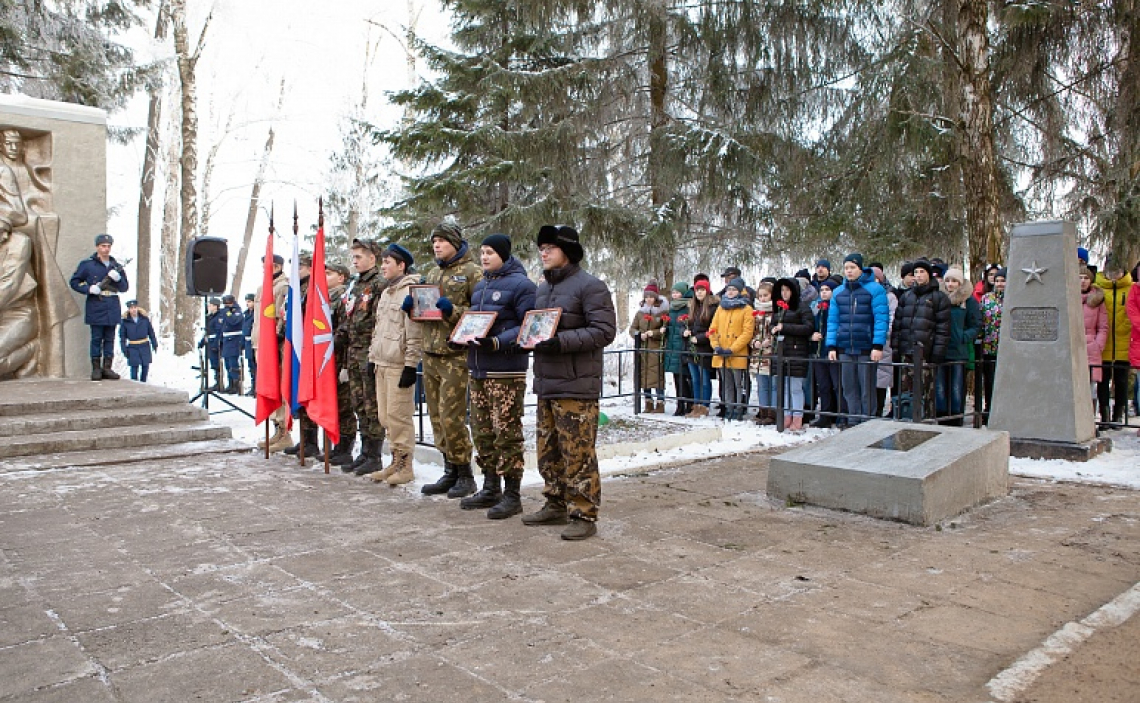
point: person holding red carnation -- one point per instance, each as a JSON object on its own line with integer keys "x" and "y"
{"x": 649, "y": 329}
{"x": 680, "y": 306}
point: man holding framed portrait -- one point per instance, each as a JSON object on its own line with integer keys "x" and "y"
{"x": 498, "y": 378}
{"x": 568, "y": 382}
{"x": 445, "y": 368}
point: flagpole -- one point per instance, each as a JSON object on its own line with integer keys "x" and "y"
{"x": 272, "y": 230}
{"x": 320, "y": 226}
{"x": 301, "y": 443}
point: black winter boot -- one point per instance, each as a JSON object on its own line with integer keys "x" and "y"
{"x": 464, "y": 482}
{"x": 108, "y": 373}
{"x": 551, "y": 514}
{"x": 372, "y": 462}
{"x": 309, "y": 439}
{"x": 445, "y": 482}
{"x": 510, "y": 504}
{"x": 342, "y": 453}
{"x": 96, "y": 369}
{"x": 489, "y": 496}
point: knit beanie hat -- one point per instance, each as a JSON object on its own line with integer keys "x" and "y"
{"x": 449, "y": 232}
{"x": 925, "y": 266}
{"x": 501, "y": 243}
{"x": 702, "y": 283}
{"x": 651, "y": 287}
{"x": 738, "y": 284}
{"x": 681, "y": 287}
{"x": 855, "y": 257}
{"x": 828, "y": 283}
{"x": 954, "y": 273}
{"x": 824, "y": 263}
{"x": 907, "y": 269}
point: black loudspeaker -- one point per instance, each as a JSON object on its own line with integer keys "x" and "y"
{"x": 206, "y": 266}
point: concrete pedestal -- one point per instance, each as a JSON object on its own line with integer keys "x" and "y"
{"x": 920, "y": 474}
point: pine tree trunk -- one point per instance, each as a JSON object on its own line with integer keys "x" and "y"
{"x": 185, "y": 306}
{"x": 980, "y": 178}
{"x": 1126, "y": 220}
{"x": 659, "y": 120}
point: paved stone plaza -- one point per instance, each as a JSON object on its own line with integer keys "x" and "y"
{"x": 229, "y": 578}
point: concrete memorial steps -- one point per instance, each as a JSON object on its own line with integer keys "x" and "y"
{"x": 920, "y": 474}
{"x": 51, "y": 423}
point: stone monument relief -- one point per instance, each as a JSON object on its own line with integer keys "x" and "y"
{"x": 34, "y": 297}
{"x": 53, "y": 200}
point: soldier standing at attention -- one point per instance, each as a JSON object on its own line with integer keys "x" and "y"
{"x": 337, "y": 275}
{"x": 568, "y": 382}
{"x": 136, "y": 340}
{"x": 231, "y": 322}
{"x": 211, "y": 338}
{"x": 356, "y": 336}
{"x": 247, "y": 342}
{"x": 308, "y": 427}
{"x": 395, "y": 352}
{"x": 445, "y": 368}
{"x": 101, "y": 279}
{"x": 280, "y": 439}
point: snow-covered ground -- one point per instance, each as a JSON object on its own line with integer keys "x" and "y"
{"x": 1120, "y": 467}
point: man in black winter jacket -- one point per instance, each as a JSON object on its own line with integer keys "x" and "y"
{"x": 568, "y": 383}
{"x": 922, "y": 318}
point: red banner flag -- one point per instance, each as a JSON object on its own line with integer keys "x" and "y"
{"x": 317, "y": 389}
{"x": 268, "y": 361}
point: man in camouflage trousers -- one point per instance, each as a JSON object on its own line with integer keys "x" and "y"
{"x": 445, "y": 368}
{"x": 568, "y": 382}
{"x": 356, "y": 337}
{"x": 498, "y": 379}
{"x": 337, "y": 276}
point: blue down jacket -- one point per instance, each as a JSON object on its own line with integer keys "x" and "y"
{"x": 859, "y": 317}
{"x": 509, "y": 293}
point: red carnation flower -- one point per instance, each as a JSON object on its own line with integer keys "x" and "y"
{"x": 683, "y": 318}
{"x": 664, "y": 318}
{"x": 759, "y": 313}
{"x": 648, "y": 318}
{"x": 824, "y": 305}
{"x": 782, "y": 304}
{"x": 712, "y": 331}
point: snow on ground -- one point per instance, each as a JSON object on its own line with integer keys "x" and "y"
{"x": 1120, "y": 467}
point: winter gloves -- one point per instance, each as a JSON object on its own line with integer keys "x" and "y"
{"x": 549, "y": 346}
{"x": 407, "y": 377}
{"x": 406, "y": 306}
{"x": 445, "y": 306}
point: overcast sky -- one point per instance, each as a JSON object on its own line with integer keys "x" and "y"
{"x": 319, "y": 50}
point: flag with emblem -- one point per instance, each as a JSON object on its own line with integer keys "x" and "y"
{"x": 268, "y": 363}
{"x": 317, "y": 388}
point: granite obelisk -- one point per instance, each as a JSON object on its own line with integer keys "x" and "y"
{"x": 1041, "y": 387}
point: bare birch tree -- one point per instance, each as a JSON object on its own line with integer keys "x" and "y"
{"x": 150, "y": 164}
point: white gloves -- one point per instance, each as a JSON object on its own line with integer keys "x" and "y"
{"x": 94, "y": 290}
{"x": 115, "y": 276}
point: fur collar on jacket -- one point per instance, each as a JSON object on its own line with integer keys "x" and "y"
{"x": 657, "y": 308}
{"x": 958, "y": 297}
{"x": 1094, "y": 298}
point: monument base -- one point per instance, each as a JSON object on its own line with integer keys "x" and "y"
{"x": 1066, "y": 451}
{"x": 921, "y": 474}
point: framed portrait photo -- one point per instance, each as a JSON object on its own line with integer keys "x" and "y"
{"x": 538, "y": 326}
{"x": 424, "y": 299}
{"x": 473, "y": 325}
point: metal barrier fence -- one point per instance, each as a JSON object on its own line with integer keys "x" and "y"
{"x": 909, "y": 380}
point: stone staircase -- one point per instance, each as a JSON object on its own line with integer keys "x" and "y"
{"x": 56, "y": 423}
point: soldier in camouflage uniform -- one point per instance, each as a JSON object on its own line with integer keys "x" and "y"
{"x": 445, "y": 368}
{"x": 356, "y": 336}
{"x": 498, "y": 379}
{"x": 568, "y": 382}
{"x": 337, "y": 276}
{"x": 308, "y": 427}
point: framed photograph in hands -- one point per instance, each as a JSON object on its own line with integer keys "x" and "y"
{"x": 473, "y": 325}
{"x": 538, "y": 326}
{"x": 423, "y": 302}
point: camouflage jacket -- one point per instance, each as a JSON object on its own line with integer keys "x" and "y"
{"x": 279, "y": 292}
{"x": 456, "y": 280}
{"x": 337, "y": 304}
{"x": 360, "y": 309}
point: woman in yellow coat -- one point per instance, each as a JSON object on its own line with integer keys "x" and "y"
{"x": 1116, "y": 285}
{"x": 730, "y": 333}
